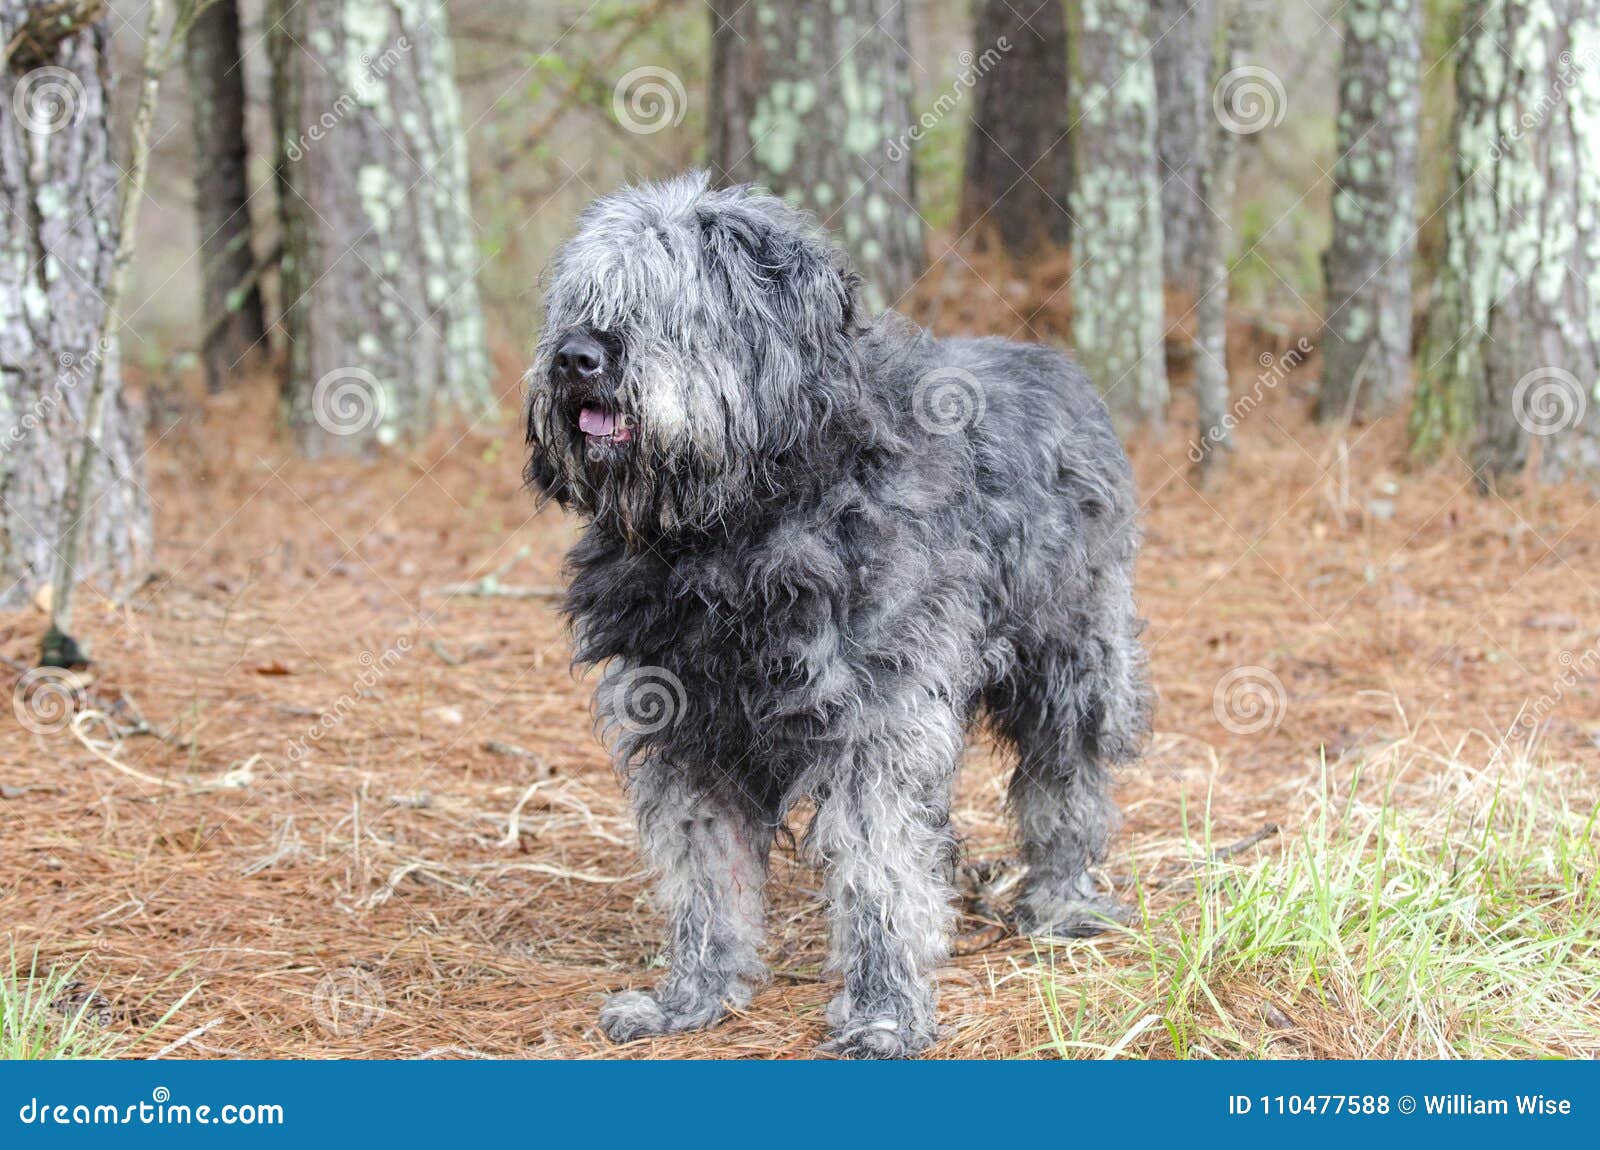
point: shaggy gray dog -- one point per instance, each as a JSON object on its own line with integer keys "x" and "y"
{"x": 819, "y": 547}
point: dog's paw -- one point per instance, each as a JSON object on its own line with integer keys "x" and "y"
{"x": 641, "y": 1014}
{"x": 887, "y": 1030}
{"x": 633, "y": 1014}
{"x": 1081, "y": 917}
{"x": 879, "y": 1038}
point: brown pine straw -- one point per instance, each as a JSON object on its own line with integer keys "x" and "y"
{"x": 456, "y": 834}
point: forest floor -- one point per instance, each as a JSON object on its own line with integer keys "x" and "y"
{"x": 380, "y": 823}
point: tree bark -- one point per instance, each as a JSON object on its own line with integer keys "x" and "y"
{"x": 1366, "y": 339}
{"x": 1182, "y": 54}
{"x": 812, "y": 98}
{"x": 58, "y": 236}
{"x": 1018, "y": 177}
{"x": 1513, "y": 348}
{"x": 1211, "y": 240}
{"x": 385, "y": 332}
{"x": 1117, "y": 301}
{"x": 232, "y": 316}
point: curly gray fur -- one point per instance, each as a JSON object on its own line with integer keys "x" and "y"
{"x": 829, "y": 546}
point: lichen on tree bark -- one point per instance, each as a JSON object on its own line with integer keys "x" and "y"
{"x": 1212, "y": 237}
{"x": 58, "y": 239}
{"x": 380, "y": 261}
{"x": 1513, "y": 349}
{"x": 1366, "y": 341}
{"x": 1117, "y": 301}
{"x": 812, "y": 99}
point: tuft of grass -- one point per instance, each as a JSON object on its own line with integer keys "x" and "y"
{"x": 36, "y": 1023}
{"x": 48, "y": 1014}
{"x": 1454, "y": 917}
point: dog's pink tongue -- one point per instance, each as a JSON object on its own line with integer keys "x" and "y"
{"x": 592, "y": 421}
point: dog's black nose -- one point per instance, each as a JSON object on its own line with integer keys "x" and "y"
{"x": 580, "y": 358}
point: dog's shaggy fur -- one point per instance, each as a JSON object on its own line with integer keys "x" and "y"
{"x": 819, "y": 548}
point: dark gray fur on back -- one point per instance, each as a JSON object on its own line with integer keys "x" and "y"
{"x": 833, "y": 544}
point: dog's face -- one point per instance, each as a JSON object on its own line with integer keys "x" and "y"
{"x": 690, "y": 338}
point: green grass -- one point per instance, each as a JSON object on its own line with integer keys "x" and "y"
{"x": 1421, "y": 910}
{"x": 32, "y": 1025}
{"x": 38, "y": 1020}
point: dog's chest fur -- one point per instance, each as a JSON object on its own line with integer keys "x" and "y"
{"x": 778, "y": 634}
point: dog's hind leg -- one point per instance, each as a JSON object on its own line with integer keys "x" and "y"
{"x": 883, "y": 832}
{"x": 1072, "y": 711}
{"x": 1066, "y": 820}
{"x": 711, "y": 859}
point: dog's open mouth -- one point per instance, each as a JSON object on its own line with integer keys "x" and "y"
{"x": 602, "y": 426}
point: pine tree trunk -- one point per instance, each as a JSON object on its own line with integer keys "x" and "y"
{"x": 1212, "y": 238}
{"x": 58, "y": 237}
{"x": 812, "y": 99}
{"x": 1117, "y": 301}
{"x": 379, "y": 273}
{"x": 1513, "y": 348}
{"x": 1366, "y": 340}
{"x": 233, "y": 323}
{"x": 1182, "y": 55}
{"x": 1018, "y": 178}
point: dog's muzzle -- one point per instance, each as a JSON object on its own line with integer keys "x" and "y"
{"x": 584, "y": 370}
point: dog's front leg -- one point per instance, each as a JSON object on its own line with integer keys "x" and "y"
{"x": 712, "y": 864}
{"x": 884, "y": 833}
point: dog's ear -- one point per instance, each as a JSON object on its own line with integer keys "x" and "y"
{"x": 775, "y": 260}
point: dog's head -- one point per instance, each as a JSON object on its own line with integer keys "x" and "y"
{"x": 693, "y": 340}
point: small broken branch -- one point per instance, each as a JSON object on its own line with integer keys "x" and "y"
{"x": 1221, "y": 854}
{"x": 489, "y": 588}
{"x": 542, "y": 769}
{"x": 637, "y": 23}
{"x": 180, "y": 1043}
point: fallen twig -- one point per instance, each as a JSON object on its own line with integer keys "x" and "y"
{"x": 490, "y": 588}
{"x": 444, "y": 875}
{"x": 122, "y": 713}
{"x": 1196, "y": 866}
{"x": 542, "y": 769}
{"x": 180, "y": 1043}
{"x": 232, "y": 779}
{"x": 1245, "y": 843}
